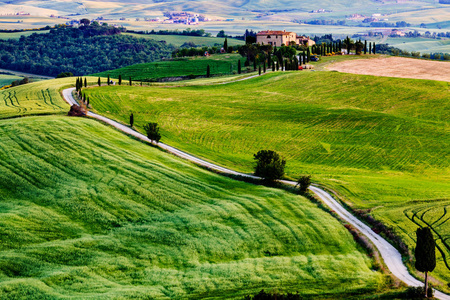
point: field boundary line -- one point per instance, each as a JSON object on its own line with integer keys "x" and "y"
{"x": 390, "y": 255}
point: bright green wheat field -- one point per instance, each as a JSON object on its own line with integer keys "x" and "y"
{"x": 382, "y": 143}
{"x": 87, "y": 212}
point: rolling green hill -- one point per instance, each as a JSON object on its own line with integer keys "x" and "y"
{"x": 196, "y": 66}
{"x": 178, "y": 40}
{"x": 382, "y": 143}
{"x": 87, "y": 212}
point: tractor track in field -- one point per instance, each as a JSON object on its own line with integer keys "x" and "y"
{"x": 390, "y": 255}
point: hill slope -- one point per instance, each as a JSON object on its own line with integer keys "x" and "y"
{"x": 380, "y": 142}
{"x": 88, "y": 212}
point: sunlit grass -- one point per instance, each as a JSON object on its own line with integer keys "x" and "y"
{"x": 88, "y": 212}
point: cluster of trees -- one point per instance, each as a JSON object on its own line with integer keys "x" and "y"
{"x": 262, "y": 295}
{"x": 386, "y": 24}
{"x": 195, "y": 51}
{"x": 84, "y": 50}
{"x": 24, "y": 80}
{"x": 321, "y": 22}
{"x": 187, "y": 32}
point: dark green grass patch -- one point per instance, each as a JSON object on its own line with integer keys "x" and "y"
{"x": 182, "y": 67}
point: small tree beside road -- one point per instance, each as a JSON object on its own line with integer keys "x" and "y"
{"x": 425, "y": 253}
{"x": 131, "y": 120}
{"x": 269, "y": 165}
{"x": 152, "y": 131}
{"x": 303, "y": 183}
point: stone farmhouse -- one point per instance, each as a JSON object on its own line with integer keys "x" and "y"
{"x": 278, "y": 38}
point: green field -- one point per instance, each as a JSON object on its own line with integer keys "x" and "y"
{"x": 380, "y": 142}
{"x": 87, "y": 212}
{"x": 421, "y": 45}
{"x": 6, "y": 79}
{"x": 220, "y": 64}
{"x": 36, "y": 98}
{"x": 17, "y": 35}
{"x": 178, "y": 40}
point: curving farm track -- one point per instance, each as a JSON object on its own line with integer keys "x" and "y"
{"x": 390, "y": 255}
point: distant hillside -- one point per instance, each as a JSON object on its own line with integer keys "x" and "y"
{"x": 84, "y": 50}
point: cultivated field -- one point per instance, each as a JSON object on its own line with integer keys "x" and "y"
{"x": 17, "y": 35}
{"x": 87, "y": 212}
{"x": 196, "y": 66}
{"x": 396, "y": 67}
{"x": 41, "y": 97}
{"x": 380, "y": 142}
{"x": 178, "y": 40}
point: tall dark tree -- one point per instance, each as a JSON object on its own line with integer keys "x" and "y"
{"x": 259, "y": 68}
{"x": 374, "y": 48}
{"x": 425, "y": 253}
{"x": 131, "y": 82}
{"x": 85, "y": 82}
{"x": 152, "y": 131}
{"x": 99, "y": 82}
{"x": 365, "y": 46}
{"x": 348, "y": 44}
{"x": 273, "y": 66}
{"x": 269, "y": 165}
{"x": 131, "y": 120}
{"x": 264, "y": 67}
{"x": 225, "y": 44}
{"x": 208, "y": 71}
{"x": 370, "y": 47}
{"x": 109, "y": 80}
{"x": 239, "y": 67}
{"x": 120, "y": 79}
{"x": 308, "y": 55}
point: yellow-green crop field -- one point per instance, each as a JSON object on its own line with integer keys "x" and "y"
{"x": 381, "y": 143}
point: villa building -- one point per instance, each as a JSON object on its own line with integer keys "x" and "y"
{"x": 278, "y": 38}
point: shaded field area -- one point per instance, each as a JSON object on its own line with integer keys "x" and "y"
{"x": 179, "y": 40}
{"x": 380, "y": 142}
{"x": 88, "y": 212}
{"x": 396, "y": 67}
{"x": 182, "y": 67}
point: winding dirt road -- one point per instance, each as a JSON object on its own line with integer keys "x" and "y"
{"x": 391, "y": 256}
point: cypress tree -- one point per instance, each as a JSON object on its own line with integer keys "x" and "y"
{"x": 264, "y": 67}
{"x": 87, "y": 101}
{"x": 130, "y": 81}
{"x": 370, "y": 48}
{"x": 259, "y": 69}
{"x": 425, "y": 253}
{"x": 120, "y": 79}
{"x": 239, "y": 67}
{"x": 365, "y": 46}
{"x": 273, "y": 66}
{"x": 208, "y": 71}
{"x": 348, "y": 45}
{"x": 76, "y": 85}
{"x": 308, "y": 55}
{"x": 85, "y": 82}
{"x": 278, "y": 65}
{"x": 99, "y": 82}
{"x": 109, "y": 80}
{"x": 131, "y": 120}
{"x": 374, "y": 48}
{"x": 304, "y": 56}
{"x": 225, "y": 45}
{"x": 340, "y": 46}
{"x": 269, "y": 60}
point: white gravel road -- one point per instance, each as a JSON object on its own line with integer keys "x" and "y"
{"x": 391, "y": 256}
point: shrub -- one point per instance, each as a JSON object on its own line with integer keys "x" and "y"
{"x": 269, "y": 165}
{"x": 303, "y": 183}
{"x": 152, "y": 131}
{"x": 418, "y": 292}
{"x": 64, "y": 74}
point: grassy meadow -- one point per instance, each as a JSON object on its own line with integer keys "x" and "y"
{"x": 178, "y": 40}
{"x": 87, "y": 212}
{"x": 380, "y": 142}
{"x": 220, "y": 64}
